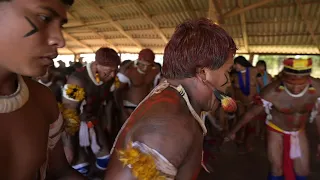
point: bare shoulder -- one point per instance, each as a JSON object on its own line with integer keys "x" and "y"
{"x": 269, "y": 92}
{"x": 44, "y": 97}
{"x": 171, "y": 135}
{"x": 316, "y": 84}
{"x": 126, "y": 68}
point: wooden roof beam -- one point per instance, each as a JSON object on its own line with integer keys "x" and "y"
{"x": 308, "y": 24}
{"x": 190, "y": 11}
{"x": 113, "y": 23}
{"x": 94, "y": 31}
{"x": 76, "y": 40}
{"x": 239, "y": 10}
{"x": 214, "y": 12}
{"x": 243, "y": 27}
{"x": 67, "y": 48}
{"x": 155, "y": 26}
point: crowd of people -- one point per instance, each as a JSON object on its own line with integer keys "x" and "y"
{"x": 138, "y": 119}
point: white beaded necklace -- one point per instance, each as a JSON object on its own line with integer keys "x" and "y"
{"x": 16, "y": 100}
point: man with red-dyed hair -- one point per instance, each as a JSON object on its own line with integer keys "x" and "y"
{"x": 136, "y": 81}
{"x": 163, "y": 137}
{"x": 84, "y": 96}
{"x": 289, "y": 103}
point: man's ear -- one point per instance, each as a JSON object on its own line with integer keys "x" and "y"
{"x": 201, "y": 74}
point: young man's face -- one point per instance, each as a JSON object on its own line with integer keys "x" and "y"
{"x": 295, "y": 84}
{"x": 30, "y": 35}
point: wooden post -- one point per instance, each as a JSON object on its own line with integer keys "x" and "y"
{"x": 251, "y": 56}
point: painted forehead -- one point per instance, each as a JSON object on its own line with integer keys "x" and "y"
{"x": 295, "y": 78}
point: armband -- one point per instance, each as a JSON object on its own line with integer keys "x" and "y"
{"x": 73, "y": 92}
{"x": 146, "y": 163}
{"x": 72, "y": 121}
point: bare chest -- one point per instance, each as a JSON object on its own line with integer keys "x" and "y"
{"x": 23, "y": 141}
{"x": 289, "y": 105}
{"x": 138, "y": 79}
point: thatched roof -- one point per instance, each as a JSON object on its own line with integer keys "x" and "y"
{"x": 257, "y": 26}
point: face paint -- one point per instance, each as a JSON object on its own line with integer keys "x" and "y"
{"x": 227, "y": 81}
{"x": 34, "y": 30}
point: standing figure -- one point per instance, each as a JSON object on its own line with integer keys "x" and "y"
{"x": 289, "y": 102}
{"x": 264, "y": 78}
{"x": 84, "y": 97}
{"x": 163, "y": 137}
{"x": 245, "y": 88}
{"x": 31, "y": 146}
{"x": 137, "y": 80}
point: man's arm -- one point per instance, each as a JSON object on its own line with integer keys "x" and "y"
{"x": 170, "y": 137}
{"x": 246, "y": 118}
{"x": 58, "y": 167}
{"x": 123, "y": 85}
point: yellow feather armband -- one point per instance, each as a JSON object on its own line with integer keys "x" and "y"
{"x": 72, "y": 121}
{"x": 146, "y": 163}
{"x": 73, "y": 92}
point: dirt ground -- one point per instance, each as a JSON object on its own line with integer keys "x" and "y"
{"x": 228, "y": 165}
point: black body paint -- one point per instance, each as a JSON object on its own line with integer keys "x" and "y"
{"x": 34, "y": 30}
{"x": 227, "y": 80}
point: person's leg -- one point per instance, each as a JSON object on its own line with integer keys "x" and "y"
{"x": 301, "y": 165}
{"x": 275, "y": 155}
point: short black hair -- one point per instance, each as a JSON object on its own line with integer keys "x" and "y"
{"x": 242, "y": 61}
{"x": 262, "y": 63}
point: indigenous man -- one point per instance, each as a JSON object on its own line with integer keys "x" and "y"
{"x": 30, "y": 133}
{"x": 264, "y": 78}
{"x": 288, "y": 103}
{"x": 163, "y": 137}
{"x": 245, "y": 84}
{"x": 84, "y": 95}
{"x": 137, "y": 80}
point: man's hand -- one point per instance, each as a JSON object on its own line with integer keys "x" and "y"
{"x": 230, "y": 137}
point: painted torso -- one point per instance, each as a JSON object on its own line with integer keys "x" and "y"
{"x": 290, "y": 113}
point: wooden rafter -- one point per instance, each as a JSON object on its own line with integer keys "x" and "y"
{"x": 308, "y": 24}
{"x": 214, "y": 12}
{"x": 76, "y": 40}
{"x": 69, "y": 49}
{"x": 189, "y": 9}
{"x": 238, "y": 10}
{"x": 93, "y": 31}
{"x": 155, "y": 26}
{"x": 113, "y": 23}
{"x": 243, "y": 27}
